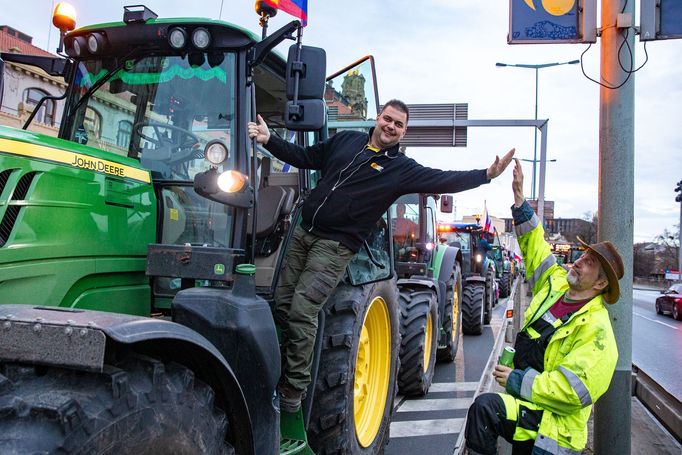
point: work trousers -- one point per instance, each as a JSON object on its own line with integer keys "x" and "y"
{"x": 488, "y": 419}
{"x": 312, "y": 268}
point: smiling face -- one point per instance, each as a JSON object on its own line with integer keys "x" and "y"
{"x": 586, "y": 274}
{"x": 390, "y": 128}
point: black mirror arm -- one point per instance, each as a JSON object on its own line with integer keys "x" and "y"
{"x": 261, "y": 49}
{"x": 51, "y": 65}
{"x": 40, "y": 104}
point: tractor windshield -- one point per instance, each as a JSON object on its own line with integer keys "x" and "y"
{"x": 160, "y": 109}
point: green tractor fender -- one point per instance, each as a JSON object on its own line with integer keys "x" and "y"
{"x": 83, "y": 340}
{"x": 444, "y": 260}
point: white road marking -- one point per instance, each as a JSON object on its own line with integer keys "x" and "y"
{"x": 654, "y": 320}
{"x": 442, "y": 404}
{"x": 426, "y": 427}
{"x": 453, "y": 387}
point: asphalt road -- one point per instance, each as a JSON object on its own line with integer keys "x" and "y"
{"x": 431, "y": 424}
{"x": 656, "y": 342}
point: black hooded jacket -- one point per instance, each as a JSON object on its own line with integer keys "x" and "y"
{"x": 358, "y": 184}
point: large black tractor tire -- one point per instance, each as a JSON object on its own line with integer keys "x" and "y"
{"x": 139, "y": 405}
{"x": 505, "y": 284}
{"x": 357, "y": 377}
{"x": 489, "y": 296}
{"x": 419, "y": 329}
{"x": 473, "y": 308}
{"x": 452, "y": 317}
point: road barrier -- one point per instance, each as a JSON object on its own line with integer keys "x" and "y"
{"x": 665, "y": 407}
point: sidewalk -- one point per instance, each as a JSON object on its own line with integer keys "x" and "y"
{"x": 648, "y": 436}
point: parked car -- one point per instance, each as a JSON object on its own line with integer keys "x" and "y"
{"x": 671, "y": 301}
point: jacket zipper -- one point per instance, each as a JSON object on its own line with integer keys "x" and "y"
{"x": 338, "y": 183}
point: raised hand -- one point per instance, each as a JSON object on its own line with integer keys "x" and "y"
{"x": 500, "y": 164}
{"x": 517, "y": 183}
{"x": 260, "y": 131}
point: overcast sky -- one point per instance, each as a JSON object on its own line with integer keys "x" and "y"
{"x": 444, "y": 51}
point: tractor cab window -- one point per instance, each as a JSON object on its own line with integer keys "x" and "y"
{"x": 174, "y": 104}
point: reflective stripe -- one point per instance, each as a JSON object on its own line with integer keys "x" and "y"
{"x": 549, "y": 317}
{"x": 509, "y": 406}
{"x": 577, "y": 385}
{"x": 548, "y": 262}
{"x": 527, "y": 226}
{"x": 527, "y": 384}
{"x": 551, "y": 446}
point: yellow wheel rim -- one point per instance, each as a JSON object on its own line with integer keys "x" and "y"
{"x": 455, "y": 312}
{"x": 372, "y": 371}
{"x": 427, "y": 341}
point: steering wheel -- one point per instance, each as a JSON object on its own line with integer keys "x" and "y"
{"x": 177, "y": 149}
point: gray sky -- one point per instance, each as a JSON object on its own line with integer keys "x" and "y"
{"x": 444, "y": 51}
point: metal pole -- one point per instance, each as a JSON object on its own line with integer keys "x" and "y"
{"x": 679, "y": 247}
{"x": 613, "y": 411}
{"x": 543, "y": 167}
{"x": 535, "y": 137}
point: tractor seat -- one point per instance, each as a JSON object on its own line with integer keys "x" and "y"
{"x": 274, "y": 202}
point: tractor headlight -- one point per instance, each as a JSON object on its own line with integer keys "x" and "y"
{"x": 479, "y": 258}
{"x": 79, "y": 45}
{"x": 177, "y": 38}
{"x": 231, "y": 181}
{"x": 201, "y": 38}
{"x": 215, "y": 152}
{"x": 96, "y": 43}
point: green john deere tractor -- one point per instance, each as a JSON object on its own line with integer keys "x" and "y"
{"x": 478, "y": 273}
{"x": 152, "y": 204}
{"x": 430, "y": 284}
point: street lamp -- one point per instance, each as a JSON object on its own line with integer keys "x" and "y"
{"x": 537, "y": 69}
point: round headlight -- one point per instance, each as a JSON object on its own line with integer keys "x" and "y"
{"x": 231, "y": 181}
{"x": 215, "y": 152}
{"x": 479, "y": 258}
{"x": 95, "y": 43}
{"x": 177, "y": 38}
{"x": 79, "y": 45}
{"x": 201, "y": 38}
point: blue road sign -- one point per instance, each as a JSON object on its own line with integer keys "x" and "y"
{"x": 543, "y": 21}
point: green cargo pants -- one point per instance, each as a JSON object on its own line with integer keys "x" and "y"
{"x": 312, "y": 268}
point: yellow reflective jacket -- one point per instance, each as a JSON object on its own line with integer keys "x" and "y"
{"x": 581, "y": 355}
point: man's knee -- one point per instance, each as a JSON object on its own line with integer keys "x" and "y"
{"x": 489, "y": 405}
{"x": 486, "y": 420}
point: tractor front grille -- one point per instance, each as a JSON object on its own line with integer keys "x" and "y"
{"x": 11, "y": 215}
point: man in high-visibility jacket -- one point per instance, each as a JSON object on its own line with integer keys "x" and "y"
{"x": 565, "y": 354}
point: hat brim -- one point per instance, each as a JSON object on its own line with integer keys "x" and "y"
{"x": 613, "y": 294}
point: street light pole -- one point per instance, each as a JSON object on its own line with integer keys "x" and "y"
{"x": 537, "y": 68}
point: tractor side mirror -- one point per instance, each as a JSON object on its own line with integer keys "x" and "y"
{"x": 311, "y": 69}
{"x": 305, "y": 110}
{"x": 446, "y": 203}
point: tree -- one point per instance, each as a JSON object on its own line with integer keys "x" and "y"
{"x": 669, "y": 247}
{"x": 643, "y": 260}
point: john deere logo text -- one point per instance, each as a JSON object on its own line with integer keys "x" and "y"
{"x": 97, "y": 165}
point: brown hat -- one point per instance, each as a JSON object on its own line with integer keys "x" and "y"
{"x": 612, "y": 263}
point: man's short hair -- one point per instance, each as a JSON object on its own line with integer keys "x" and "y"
{"x": 399, "y": 105}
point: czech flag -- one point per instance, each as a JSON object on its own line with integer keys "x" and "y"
{"x": 297, "y": 8}
{"x": 488, "y": 226}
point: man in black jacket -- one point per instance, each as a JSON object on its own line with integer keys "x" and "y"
{"x": 362, "y": 175}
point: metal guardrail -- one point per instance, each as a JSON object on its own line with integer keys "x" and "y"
{"x": 665, "y": 407}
